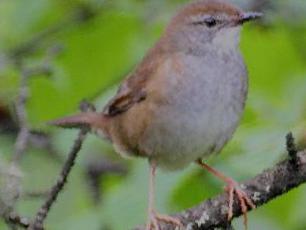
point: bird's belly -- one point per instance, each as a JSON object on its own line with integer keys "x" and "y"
{"x": 196, "y": 122}
{"x": 187, "y": 137}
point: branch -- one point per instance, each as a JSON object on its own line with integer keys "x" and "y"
{"x": 22, "y": 141}
{"x": 23, "y": 134}
{"x": 59, "y": 185}
{"x": 263, "y": 188}
{"x": 38, "y": 222}
{"x": 82, "y": 13}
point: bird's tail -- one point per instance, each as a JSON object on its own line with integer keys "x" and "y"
{"x": 87, "y": 119}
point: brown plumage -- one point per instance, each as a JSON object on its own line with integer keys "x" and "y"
{"x": 184, "y": 100}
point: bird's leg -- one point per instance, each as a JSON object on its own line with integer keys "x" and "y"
{"x": 152, "y": 221}
{"x": 153, "y": 216}
{"x": 232, "y": 188}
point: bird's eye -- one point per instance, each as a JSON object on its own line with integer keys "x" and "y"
{"x": 210, "y": 22}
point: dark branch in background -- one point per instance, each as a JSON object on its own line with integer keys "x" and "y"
{"x": 96, "y": 169}
{"x": 38, "y": 222}
{"x": 7, "y": 124}
{"x": 26, "y": 137}
{"x": 263, "y": 188}
{"x": 41, "y": 140}
{"x": 35, "y": 195}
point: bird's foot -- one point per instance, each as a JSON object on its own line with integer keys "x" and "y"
{"x": 232, "y": 188}
{"x": 245, "y": 201}
{"x": 155, "y": 218}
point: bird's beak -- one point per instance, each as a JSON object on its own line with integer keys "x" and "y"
{"x": 249, "y": 16}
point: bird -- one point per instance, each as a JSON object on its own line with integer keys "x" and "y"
{"x": 183, "y": 101}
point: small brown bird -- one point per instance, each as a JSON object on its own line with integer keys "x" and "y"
{"x": 185, "y": 99}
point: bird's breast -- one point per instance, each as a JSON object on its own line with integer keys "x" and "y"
{"x": 199, "y": 107}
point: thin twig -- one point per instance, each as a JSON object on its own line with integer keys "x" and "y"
{"x": 38, "y": 222}
{"x": 292, "y": 149}
{"x": 21, "y": 113}
{"x": 59, "y": 185}
{"x": 22, "y": 138}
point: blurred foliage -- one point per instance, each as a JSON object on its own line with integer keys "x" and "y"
{"x": 100, "y": 43}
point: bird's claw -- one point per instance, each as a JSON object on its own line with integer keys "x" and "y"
{"x": 155, "y": 218}
{"x": 244, "y": 200}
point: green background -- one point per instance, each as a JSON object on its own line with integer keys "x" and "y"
{"x": 96, "y": 54}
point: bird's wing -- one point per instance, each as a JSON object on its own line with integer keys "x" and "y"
{"x": 133, "y": 89}
{"x": 126, "y": 97}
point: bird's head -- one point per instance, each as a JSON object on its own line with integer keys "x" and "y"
{"x": 208, "y": 22}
